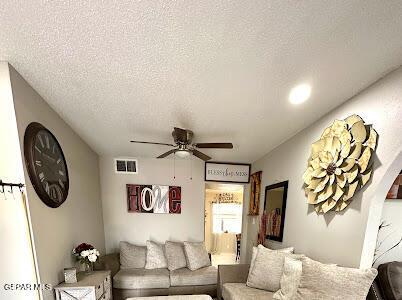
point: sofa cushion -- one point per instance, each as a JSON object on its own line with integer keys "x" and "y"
{"x": 175, "y": 256}
{"x": 240, "y": 291}
{"x": 196, "y": 255}
{"x": 141, "y": 279}
{"x": 156, "y": 258}
{"x": 203, "y": 276}
{"x": 322, "y": 281}
{"x": 132, "y": 256}
{"x": 268, "y": 269}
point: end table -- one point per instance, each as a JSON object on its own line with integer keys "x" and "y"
{"x": 93, "y": 286}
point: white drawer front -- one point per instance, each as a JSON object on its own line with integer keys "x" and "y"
{"x": 102, "y": 297}
{"x": 108, "y": 296}
{"x": 77, "y": 294}
{"x": 106, "y": 283}
{"x": 99, "y": 290}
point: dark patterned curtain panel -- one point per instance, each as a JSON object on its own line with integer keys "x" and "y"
{"x": 255, "y": 192}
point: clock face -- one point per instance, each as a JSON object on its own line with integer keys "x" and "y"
{"x": 46, "y": 165}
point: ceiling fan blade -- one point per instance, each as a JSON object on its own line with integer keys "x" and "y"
{"x": 180, "y": 135}
{"x": 167, "y": 153}
{"x": 153, "y": 143}
{"x": 201, "y": 155}
{"x": 214, "y": 145}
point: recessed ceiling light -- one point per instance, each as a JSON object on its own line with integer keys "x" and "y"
{"x": 300, "y": 93}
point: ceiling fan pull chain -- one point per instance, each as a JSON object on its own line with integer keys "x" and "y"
{"x": 191, "y": 166}
{"x": 174, "y": 165}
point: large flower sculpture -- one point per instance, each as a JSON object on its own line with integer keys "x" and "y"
{"x": 340, "y": 164}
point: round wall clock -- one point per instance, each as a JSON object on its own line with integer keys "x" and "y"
{"x": 46, "y": 165}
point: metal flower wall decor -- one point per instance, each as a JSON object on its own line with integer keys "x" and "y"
{"x": 340, "y": 164}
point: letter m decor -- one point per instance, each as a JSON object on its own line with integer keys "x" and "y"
{"x": 157, "y": 199}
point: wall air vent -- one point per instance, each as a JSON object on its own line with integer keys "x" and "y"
{"x": 126, "y": 165}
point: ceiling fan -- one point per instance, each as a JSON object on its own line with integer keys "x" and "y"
{"x": 183, "y": 147}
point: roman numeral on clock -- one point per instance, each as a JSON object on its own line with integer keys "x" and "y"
{"x": 41, "y": 176}
{"x": 61, "y": 183}
{"x": 41, "y": 141}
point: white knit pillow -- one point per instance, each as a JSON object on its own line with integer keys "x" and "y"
{"x": 268, "y": 269}
{"x": 196, "y": 255}
{"x": 255, "y": 250}
{"x": 322, "y": 281}
{"x": 292, "y": 271}
{"x": 132, "y": 256}
{"x": 155, "y": 256}
{"x": 175, "y": 255}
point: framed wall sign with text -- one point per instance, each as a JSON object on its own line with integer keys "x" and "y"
{"x": 227, "y": 172}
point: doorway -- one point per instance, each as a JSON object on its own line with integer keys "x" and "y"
{"x": 223, "y": 222}
{"x": 389, "y": 239}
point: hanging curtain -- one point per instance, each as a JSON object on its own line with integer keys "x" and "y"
{"x": 263, "y": 229}
{"x": 255, "y": 192}
{"x": 30, "y": 239}
{"x": 214, "y": 243}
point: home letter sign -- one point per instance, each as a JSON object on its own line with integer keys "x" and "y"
{"x": 157, "y": 199}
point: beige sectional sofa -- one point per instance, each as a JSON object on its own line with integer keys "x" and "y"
{"x": 232, "y": 284}
{"x": 282, "y": 275}
{"x": 136, "y": 282}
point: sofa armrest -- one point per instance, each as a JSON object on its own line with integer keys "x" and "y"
{"x": 108, "y": 262}
{"x": 375, "y": 292}
{"x": 231, "y": 273}
{"x": 389, "y": 279}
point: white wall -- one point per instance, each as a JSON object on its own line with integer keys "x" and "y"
{"x": 389, "y": 236}
{"x": 79, "y": 218}
{"x": 138, "y": 228}
{"x": 335, "y": 237}
{"x": 16, "y": 259}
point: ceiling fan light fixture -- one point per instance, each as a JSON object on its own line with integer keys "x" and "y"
{"x": 183, "y": 153}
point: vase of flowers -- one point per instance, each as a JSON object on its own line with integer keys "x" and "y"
{"x": 86, "y": 254}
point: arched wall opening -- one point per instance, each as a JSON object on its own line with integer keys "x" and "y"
{"x": 376, "y": 209}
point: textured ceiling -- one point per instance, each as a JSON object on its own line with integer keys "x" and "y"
{"x": 121, "y": 70}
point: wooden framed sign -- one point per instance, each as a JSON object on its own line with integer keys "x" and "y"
{"x": 227, "y": 172}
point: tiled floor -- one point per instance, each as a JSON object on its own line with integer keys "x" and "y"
{"x": 224, "y": 259}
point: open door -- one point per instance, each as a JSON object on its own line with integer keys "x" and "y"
{"x": 223, "y": 222}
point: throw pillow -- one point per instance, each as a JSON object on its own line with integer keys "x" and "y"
{"x": 292, "y": 271}
{"x": 155, "y": 256}
{"x": 132, "y": 256}
{"x": 321, "y": 281}
{"x": 196, "y": 255}
{"x": 268, "y": 269}
{"x": 175, "y": 256}
{"x": 255, "y": 249}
